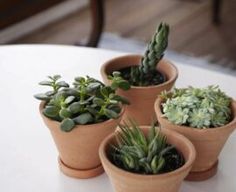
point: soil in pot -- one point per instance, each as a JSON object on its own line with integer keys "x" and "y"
{"x": 123, "y": 180}
{"x": 154, "y": 78}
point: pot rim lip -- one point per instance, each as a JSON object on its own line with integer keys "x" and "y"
{"x": 42, "y": 103}
{"x": 187, "y": 165}
{"x": 168, "y": 62}
{"x": 157, "y": 108}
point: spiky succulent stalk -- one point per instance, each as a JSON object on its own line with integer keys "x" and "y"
{"x": 153, "y": 54}
{"x": 140, "y": 154}
{"x": 155, "y": 50}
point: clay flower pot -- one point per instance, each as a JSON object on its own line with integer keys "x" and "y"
{"x": 208, "y": 142}
{"x": 141, "y": 98}
{"x": 78, "y": 149}
{"x": 124, "y": 181}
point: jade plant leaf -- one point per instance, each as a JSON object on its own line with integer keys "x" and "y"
{"x": 75, "y": 107}
{"x": 51, "y": 111}
{"x": 67, "y": 125}
{"x": 64, "y": 113}
{"x": 111, "y": 114}
{"x": 84, "y": 119}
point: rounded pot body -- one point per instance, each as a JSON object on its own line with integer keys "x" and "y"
{"x": 78, "y": 149}
{"x": 208, "y": 142}
{"x": 124, "y": 181}
{"x": 141, "y": 99}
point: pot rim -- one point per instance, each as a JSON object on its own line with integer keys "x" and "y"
{"x": 168, "y": 62}
{"x": 187, "y": 165}
{"x": 157, "y": 107}
{"x": 41, "y": 107}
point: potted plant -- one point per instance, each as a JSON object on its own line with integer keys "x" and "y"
{"x": 79, "y": 117}
{"x": 207, "y": 116}
{"x": 148, "y": 76}
{"x": 145, "y": 159}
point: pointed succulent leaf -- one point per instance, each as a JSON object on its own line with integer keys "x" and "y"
{"x": 67, "y": 125}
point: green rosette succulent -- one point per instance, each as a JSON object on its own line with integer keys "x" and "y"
{"x": 145, "y": 155}
{"x": 197, "y": 107}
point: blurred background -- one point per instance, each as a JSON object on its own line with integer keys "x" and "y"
{"x": 202, "y": 31}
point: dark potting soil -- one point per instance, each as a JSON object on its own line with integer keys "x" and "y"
{"x": 155, "y": 78}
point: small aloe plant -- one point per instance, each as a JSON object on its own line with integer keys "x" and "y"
{"x": 197, "y": 107}
{"x": 88, "y": 101}
{"x": 142, "y": 154}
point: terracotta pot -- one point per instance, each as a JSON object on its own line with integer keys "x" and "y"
{"x": 78, "y": 149}
{"x": 124, "y": 181}
{"x": 142, "y": 98}
{"x": 208, "y": 143}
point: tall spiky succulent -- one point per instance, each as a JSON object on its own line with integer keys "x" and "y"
{"x": 145, "y": 155}
{"x": 155, "y": 51}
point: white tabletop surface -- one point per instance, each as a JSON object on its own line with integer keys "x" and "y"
{"x": 28, "y": 160}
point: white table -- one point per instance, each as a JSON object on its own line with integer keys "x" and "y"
{"x": 28, "y": 160}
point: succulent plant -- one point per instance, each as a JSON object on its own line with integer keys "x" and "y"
{"x": 146, "y": 74}
{"x": 137, "y": 153}
{"x": 88, "y": 101}
{"x": 197, "y": 107}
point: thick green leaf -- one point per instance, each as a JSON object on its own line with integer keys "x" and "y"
{"x": 51, "y": 111}
{"x": 123, "y": 84}
{"x": 75, "y": 107}
{"x": 114, "y": 85}
{"x": 67, "y": 125}
{"x": 92, "y": 110}
{"x": 50, "y": 93}
{"x": 56, "y": 77}
{"x": 116, "y": 73}
{"x": 42, "y": 96}
{"x": 64, "y": 113}
{"x": 69, "y": 99}
{"x": 111, "y": 114}
{"x": 115, "y": 108}
{"x": 46, "y": 83}
{"x": 93, "y": 86}
{"x": 62, "y": 84}
{"x": 84, "y": 119}
{"x": 98, "y": 101}
{"x": 121, "y": 99}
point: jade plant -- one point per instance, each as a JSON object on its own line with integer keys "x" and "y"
{"x": 146, "y": 73}
{"x": 142, "y": 154}
{"x": 87, "y": 101}
{"x": 197, "y": 107}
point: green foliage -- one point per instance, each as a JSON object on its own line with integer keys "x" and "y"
{"x": 146, "y": 74}
{"x": 145, "y": 155}
{"x": 197, "y": 107}
{"x": 118, "y": 81}
{"x": 88, "y": 101}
